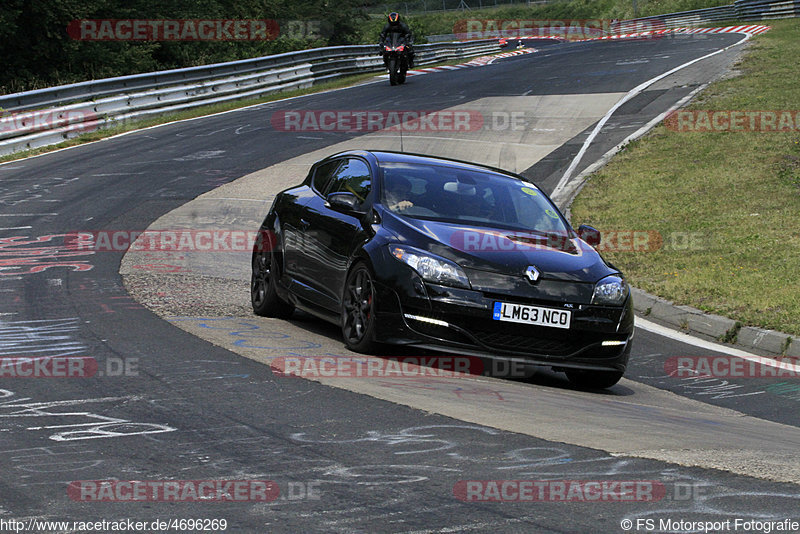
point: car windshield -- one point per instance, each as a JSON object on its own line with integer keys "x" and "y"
{"x": 452, "y": 194}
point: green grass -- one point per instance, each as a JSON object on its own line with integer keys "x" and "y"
{"x": 737, "y": 194}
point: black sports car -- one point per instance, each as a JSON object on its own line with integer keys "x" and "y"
{"x": 441, "y": 254}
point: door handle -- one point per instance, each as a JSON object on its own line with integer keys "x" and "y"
{"x": 305, "y": 224}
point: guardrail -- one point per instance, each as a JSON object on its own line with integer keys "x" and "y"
{"x": 47, "y": 116}
{"x": 695, "y": 17}
{"x": 763, "y": 9}
{"x": 742, "y": 10}
{"x": 68, "y": 110}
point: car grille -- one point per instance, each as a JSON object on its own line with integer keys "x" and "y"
{"x": 531, "y": 344}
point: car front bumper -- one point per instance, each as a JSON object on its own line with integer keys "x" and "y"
{"x": 443, "y": 318}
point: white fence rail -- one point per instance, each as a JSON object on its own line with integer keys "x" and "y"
{"x": 47, "y": 116}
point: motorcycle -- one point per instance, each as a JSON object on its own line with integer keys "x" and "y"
{"x": 395, "y": 53}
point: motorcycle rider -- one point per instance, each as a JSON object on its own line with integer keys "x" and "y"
{"x": 395, "y": 25}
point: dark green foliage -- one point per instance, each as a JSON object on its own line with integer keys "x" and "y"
{"x": 37, "y": 51}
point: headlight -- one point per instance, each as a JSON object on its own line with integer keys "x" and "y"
{"x": 430, "y": 267}
{"x": 610, "y": 290}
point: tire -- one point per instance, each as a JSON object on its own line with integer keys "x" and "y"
{"x": 594, "y": 379}
{"x": 358, "y": 310}
{"x": 393, "y": 74}
{"x": 263, "y": 291}
{"x": 401, "y": 76}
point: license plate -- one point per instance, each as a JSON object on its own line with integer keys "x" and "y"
{"x": 520, "y": 313}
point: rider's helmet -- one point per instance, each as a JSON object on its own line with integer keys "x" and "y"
{"x": 394, "y": 17}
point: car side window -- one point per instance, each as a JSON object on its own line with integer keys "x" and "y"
{"x": 352, "y": 177}
{"x": 324, "y": 174}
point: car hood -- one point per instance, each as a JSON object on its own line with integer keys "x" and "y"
{"x": 502, "y": 251}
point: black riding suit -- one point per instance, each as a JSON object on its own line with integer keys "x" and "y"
{"x": 403, "y": 29}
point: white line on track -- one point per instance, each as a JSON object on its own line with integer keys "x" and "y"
{"x": 25, "y": 214}
{"x": 17, "y": 228}
{"x": 644, "y": 324}
{"x": 117, "y": 174}
{"x": 575, "y": 184}
{"x": 632, "y": 93}
{"x": 237, "y": 199}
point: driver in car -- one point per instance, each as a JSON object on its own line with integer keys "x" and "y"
{"x": 398, "y": 191}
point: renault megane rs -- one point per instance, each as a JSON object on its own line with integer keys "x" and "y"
{"x": 440, "y": 254}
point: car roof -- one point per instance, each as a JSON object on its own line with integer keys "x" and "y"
{"x": 389, "y": 156}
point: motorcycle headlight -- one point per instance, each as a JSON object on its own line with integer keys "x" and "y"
{"x": 430, "y": 267}
{"x": 610, "y": 290}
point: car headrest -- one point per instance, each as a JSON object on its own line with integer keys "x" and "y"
{"x": 460, "y": 188}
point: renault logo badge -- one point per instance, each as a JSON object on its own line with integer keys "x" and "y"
{"x": 532, "y": 273}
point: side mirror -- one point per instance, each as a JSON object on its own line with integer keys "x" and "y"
{"x": 589, "y": 234}
{"x": 346, "y": 203}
